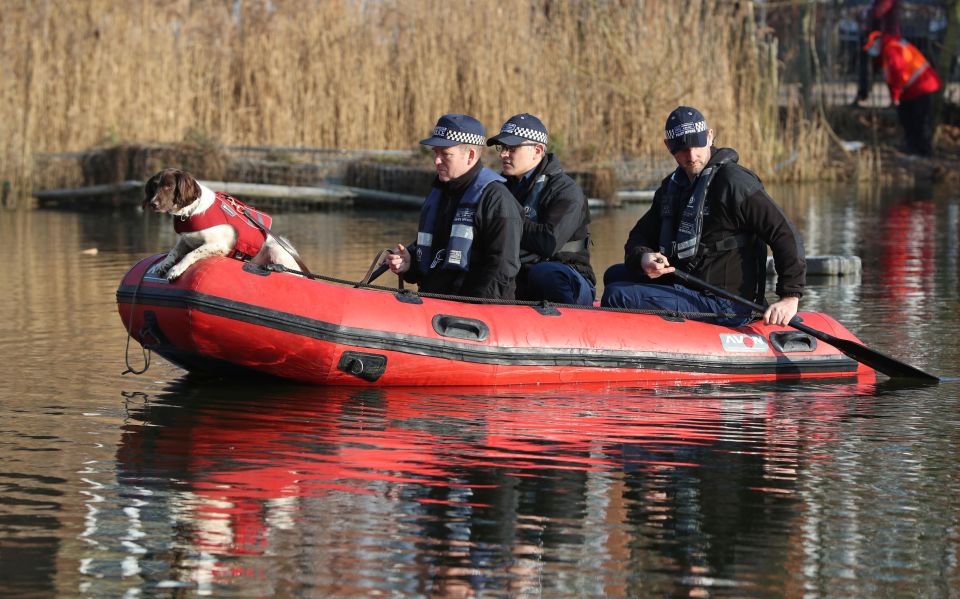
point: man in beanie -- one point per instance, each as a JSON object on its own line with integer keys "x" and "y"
{"x": 554, "y": 252}
{"x": 912, "y": 83}
{"x": 713, "y": 219}
{"x": 468, "y": 240}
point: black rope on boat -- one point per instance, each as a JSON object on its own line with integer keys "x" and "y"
{"x": 503, "y": 302}
{"x": 126, "y": 352}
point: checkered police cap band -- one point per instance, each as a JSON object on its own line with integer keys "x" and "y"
{"x": 684, "y": 129}
{"x": 459, "y": 136}
{"x": 531, "y": 134}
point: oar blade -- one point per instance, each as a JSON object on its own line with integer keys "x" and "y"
{"x": 879, "y": 361}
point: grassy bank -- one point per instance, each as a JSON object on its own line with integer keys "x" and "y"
{"x": 352, "y": 74}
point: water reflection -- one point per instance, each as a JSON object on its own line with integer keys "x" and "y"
{"x": 907, "y": 278}
{"x": 256, "y": 490}
{"x": 477, "y": 489}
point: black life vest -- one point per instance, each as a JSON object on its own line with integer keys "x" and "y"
{"x": 531, "y": 207}
{"x": 532, "y": 204}
{"x": 680, "y": 233}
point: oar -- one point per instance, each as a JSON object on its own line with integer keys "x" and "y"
{"x": 376, "y": 273}
{"x": 376, "y": 269}
{"x": 280, "y": 241}
{"x": 861, "y": 353}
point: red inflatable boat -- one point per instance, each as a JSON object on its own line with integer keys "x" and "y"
{"x": 224, "y": 315}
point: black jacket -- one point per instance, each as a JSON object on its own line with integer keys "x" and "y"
{"x": 736, "y": 204}
{"x": 494, "y": 255}
{"x": 563, "y": 215}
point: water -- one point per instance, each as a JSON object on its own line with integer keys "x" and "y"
{"x": 161, "y": 484}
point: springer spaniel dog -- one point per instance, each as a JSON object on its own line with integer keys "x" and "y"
{"x": 212, "y": 224}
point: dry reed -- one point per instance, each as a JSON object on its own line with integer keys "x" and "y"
{"x": 356, "y": 74}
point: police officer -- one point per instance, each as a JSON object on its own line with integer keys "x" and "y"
{"x": 713, "y": 219}
{"x": 468, "y": 239}
{"x": 554, "y": 248}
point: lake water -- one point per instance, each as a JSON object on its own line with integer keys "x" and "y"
{"x": 161, "y": 485}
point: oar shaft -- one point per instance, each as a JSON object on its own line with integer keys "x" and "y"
{"x": 379, "y": 271}
{"x": 377, "y": 268}
{"x": 859, "y": 352}
{"x": 688, "y": 278}
{"x": 280, "y": 241}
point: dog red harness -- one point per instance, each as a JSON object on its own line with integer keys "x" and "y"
{"x": 228, "y": 210}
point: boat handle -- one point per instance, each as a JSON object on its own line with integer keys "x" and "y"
{"x": 792, "y": 341}
{"x": 460, "y": 327}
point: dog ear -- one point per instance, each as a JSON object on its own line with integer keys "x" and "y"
{"x": 188, "y": 189}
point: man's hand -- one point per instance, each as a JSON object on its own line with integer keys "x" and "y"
{"x": 398, "y": 260}
{"x": 655, "y": 264}
{"x": 781, "y": 312}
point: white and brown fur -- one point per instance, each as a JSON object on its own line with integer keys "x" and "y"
{"x": 178, "y": 193}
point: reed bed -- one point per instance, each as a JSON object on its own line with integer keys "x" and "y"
{"x": 357, "y": 74}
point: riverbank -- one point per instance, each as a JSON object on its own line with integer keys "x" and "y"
{"x": 866, "y": 148}
{"x": 882, "y": 159}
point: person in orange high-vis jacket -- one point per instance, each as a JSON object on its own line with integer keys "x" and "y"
{"x": 912, "y": 81}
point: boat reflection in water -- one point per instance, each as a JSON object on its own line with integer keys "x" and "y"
{"x": 447, "y": 491}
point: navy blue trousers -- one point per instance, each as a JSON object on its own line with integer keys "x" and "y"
{"x": 557, "y": 282}
{"x": 623, "y": 288}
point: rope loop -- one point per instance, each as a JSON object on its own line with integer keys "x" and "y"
{"x": 146, "y": 352}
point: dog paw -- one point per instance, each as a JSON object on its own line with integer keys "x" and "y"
{"x": 163, "y": 267}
